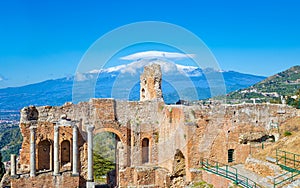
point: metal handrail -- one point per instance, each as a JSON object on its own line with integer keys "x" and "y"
{"x": 280, "y": 154}
{"x": 229, "y": 173}
{"x": 286, "y": 179}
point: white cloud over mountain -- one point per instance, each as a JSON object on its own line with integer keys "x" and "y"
{"x": 133, "y": 67}
{"x": 157, "y": 54}
{"x": 167, "y": 67}
{"x": 136, "y": 67}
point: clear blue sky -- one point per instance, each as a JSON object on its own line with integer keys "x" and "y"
{"x": 46, "y": 39}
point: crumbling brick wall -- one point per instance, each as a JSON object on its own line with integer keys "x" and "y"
{"x": 197, "y": 131}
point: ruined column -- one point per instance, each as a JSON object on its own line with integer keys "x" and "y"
{"x": 120, "y": 160}
{"x": 56, "y": 147}
{"x": 90, "y": 178}
{"x": 75, "y": 151}
{"x": 150, "y": 83}
{"x": 13, "y": 165}
{"x": 32, "y": 151}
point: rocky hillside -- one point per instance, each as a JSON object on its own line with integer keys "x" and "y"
{"x": 289, "y": 140}
{"x": 10, "y": 140}
{"x": 272, "y": 89}
{"x": 263, "y": 163}
{"x": 284, "y": 83}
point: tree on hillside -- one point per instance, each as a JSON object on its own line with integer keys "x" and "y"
{"x": 104, "y": 153}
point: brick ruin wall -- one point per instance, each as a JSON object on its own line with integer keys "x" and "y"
{"x": 47, "y": 180}
{"x": 197, "y": 131}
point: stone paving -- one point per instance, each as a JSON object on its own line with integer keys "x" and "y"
{"x": 263, "y": 181}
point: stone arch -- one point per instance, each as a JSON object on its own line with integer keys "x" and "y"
{"x": 112, "y": 130}
{"x": 230, "y": 155}
{"x": 65, "y": 154}
{"x": 145, "y": 150}
{"x": 272, "y": 138}
{"x": 111, "y": 176}
{"x": 45, "y": 152}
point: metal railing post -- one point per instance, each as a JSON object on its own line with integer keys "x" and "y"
{"x": 276, "y": 156}
{"x": 236, "y": 177}
{"x": 294, "y": 160}
{"x": 226, "y": 170}
{"x": 285, "y": 158}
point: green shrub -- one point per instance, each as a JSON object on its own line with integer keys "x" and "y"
{"x": 287, "y": 133}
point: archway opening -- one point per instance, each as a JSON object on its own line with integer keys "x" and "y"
{"x": 65, "y": 152}
{"x": 44, "y": 155}
{"x": 272, "y": 138}
{"x": 145, "y": 150}
{"x": 106, "y": 158}
{"x": 230, "y": 155}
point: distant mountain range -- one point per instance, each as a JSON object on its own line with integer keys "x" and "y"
{"x": 122, "y": 82}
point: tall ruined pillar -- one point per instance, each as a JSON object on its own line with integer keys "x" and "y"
{"x": 56, "y": 148}
{"x": 13, "y": 167}
{"x": 32, "y": 151}
{"x": 120, "y": 161}
{"x": 90, "y": 178}
{"x": 151, "y": 83}
{"x": 75, "y": 151}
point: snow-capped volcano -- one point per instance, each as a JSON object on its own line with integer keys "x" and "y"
{"x": 136, "y": 67}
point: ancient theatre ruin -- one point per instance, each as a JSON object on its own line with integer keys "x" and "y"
{"x": 158, "y": 145}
